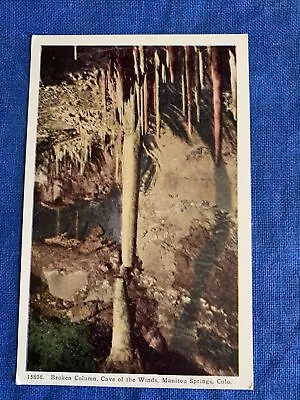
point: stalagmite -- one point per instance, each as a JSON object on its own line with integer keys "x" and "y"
{"x": 217, "y": 94}
{"x": 232, "y": 65}
{"x": 156, "y": 101}
{"x": 121, "y": 355}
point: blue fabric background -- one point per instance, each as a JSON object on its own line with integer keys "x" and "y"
{"x": 273, "y": 28}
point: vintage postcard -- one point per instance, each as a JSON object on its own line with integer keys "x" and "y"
{"x": 136, "y": 249}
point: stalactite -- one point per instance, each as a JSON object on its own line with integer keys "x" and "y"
{"x": 129, "y": 180}
{"x": 167, "y": 58}
{"x": 183, "y": 92}
{"x": 142, "y": 60}
{"x": 139, "y": 66}
{"x": 232, "y": 64}
{"x": 163, "y": 73}
{"x": 108, "y": 74}
{"x": 90, "y": 150}
{"x": 75, "y": 53}
{"x": 217, "y": 93}
{"x": 56, "y": 163}
{"x": 136, "y": 68}
{"x": 145, "y": 92}
{"x": 64, "y": 157}
{"x": 201, "y": 69}
{"x": 141, "y": 90}
{"x": 197, "y": 85}
{"x": 102, "y": 86}
{"x": 118, "y": 138}
{"x": 117, "y": 162}
{"x": 142, "y": 113}
{"x": 138, "y": 99}
{"x": 187, "y": 58}
{"x": 129, "y": 120}
{"x": 112, "y": 91}
{"x": 76, "y": 151}
{"x": 156, "y": 102}
{"x": 119, "y": 95}
{"x": 86, "y": 151}
{"x": 171, "y": 63}
{"x": 106, "y": 79}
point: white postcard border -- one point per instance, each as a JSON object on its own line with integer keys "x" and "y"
{"x": 245, "y": 378}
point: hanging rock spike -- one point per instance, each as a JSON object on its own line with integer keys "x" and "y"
{"x": 119, "y": 95}
{"x": 157, "y": 111}
{"x": 75, "y": 53}
{"x": 145, "y": 102}
{"x": 142, "y": 60}
{"x": 136, "y": 68}
{"x": 187, "y": 58}
{"x": 170, "y": 62}
{"x": 217, "y": 101}
{"x": 232, "y": 65}
{"x": 167, "y": 58}
{"x": 197, "y": 84}
{"x": 163, "y": 73}
{"x": 183, "y": 92}
{"x": 201, "y": 77}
